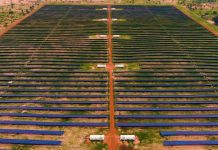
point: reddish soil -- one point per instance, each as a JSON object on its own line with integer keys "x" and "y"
{"x": 112, "y": 138}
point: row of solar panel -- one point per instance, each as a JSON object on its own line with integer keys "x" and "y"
{"x": 104, "y": 96}
{"x": 118, "y": 124}
{"x": 105, "y": 109}
{"x": 29, "y": 141}
{"x": 106, "y": 116}
{"x": 189, "y": 133}
{"x": 61, "y": 43}
{"x": 106, "y": 102}
{"x": 104, "y": 80}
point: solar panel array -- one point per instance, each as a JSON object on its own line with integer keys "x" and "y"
{"x": 171, "y": 74}
{"x": 49, "y": 78}
{"x": 46, "y": 71}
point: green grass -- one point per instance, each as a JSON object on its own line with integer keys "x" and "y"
{"x": 149, "y": 136}
{"x": 21, "y": 147}
{"x": 206, "y": 14}
{"x": 47, "y": 105}
{"x": 125, "y": 37}
{"x": 213, "y": 138}
{"x": 133, "y": 66}
{"x": 99, "y": 146}
{"x": 7, "y": 18}
{"x": 87, "y": 66}
{"x": 77, "y": 112}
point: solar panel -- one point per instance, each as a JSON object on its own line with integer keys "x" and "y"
{"x": 39, "y": 132}
{"x": 173, "y": 90}
{"x": 185, "y": 143}
{"x": 70, "y": 124}
{"x": 53, "y": 115}
{"x": 188, "y": 133}
{"x": 53, "y": 102}
{"x": 54, "y": 90}
{"x": 189, "y": 116}
{"x": 167, "y": 102}
{"x": 165, "y": 85}
{"x": 168, "y": 96}
{"x": 54, "y": 85}
{"x": 29, "y": 142}
{"x": 53, "y": 95}
{"x": 52, "y": 80}
{"x": 168, "y": 109}
{"x": 55, "y": 108}
{"x": 166, "y": 124}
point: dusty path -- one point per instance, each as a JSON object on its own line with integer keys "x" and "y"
{"x": 112, "y": 138}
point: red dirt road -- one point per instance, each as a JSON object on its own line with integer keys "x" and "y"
{"x": 112, "y": 138}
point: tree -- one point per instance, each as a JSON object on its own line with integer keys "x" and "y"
{"x": 215, "y": 19}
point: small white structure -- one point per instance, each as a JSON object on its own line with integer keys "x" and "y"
{"x": 119, "y": 65}
{"x": 105, "y": 19}
{"x": 116, "y": 65}
{"x": 96, "y": 137}
{"x": 101, "y": 65}
{"x": 103, "y": 36}
{"x": 211, "y": 21}
{"x": 127, "y": 137}
{"x": 106, "y": 8}
{"x": 10, "y": 82}
{"x": 116, "y": 36}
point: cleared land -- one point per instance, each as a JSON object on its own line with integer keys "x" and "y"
{"x": 48, "y": 74}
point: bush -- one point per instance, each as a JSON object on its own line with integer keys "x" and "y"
{"x": 215, "y": 19}
{"x": 21, "y": 147}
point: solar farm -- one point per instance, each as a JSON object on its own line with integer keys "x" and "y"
{"x": 71, "y": 71}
